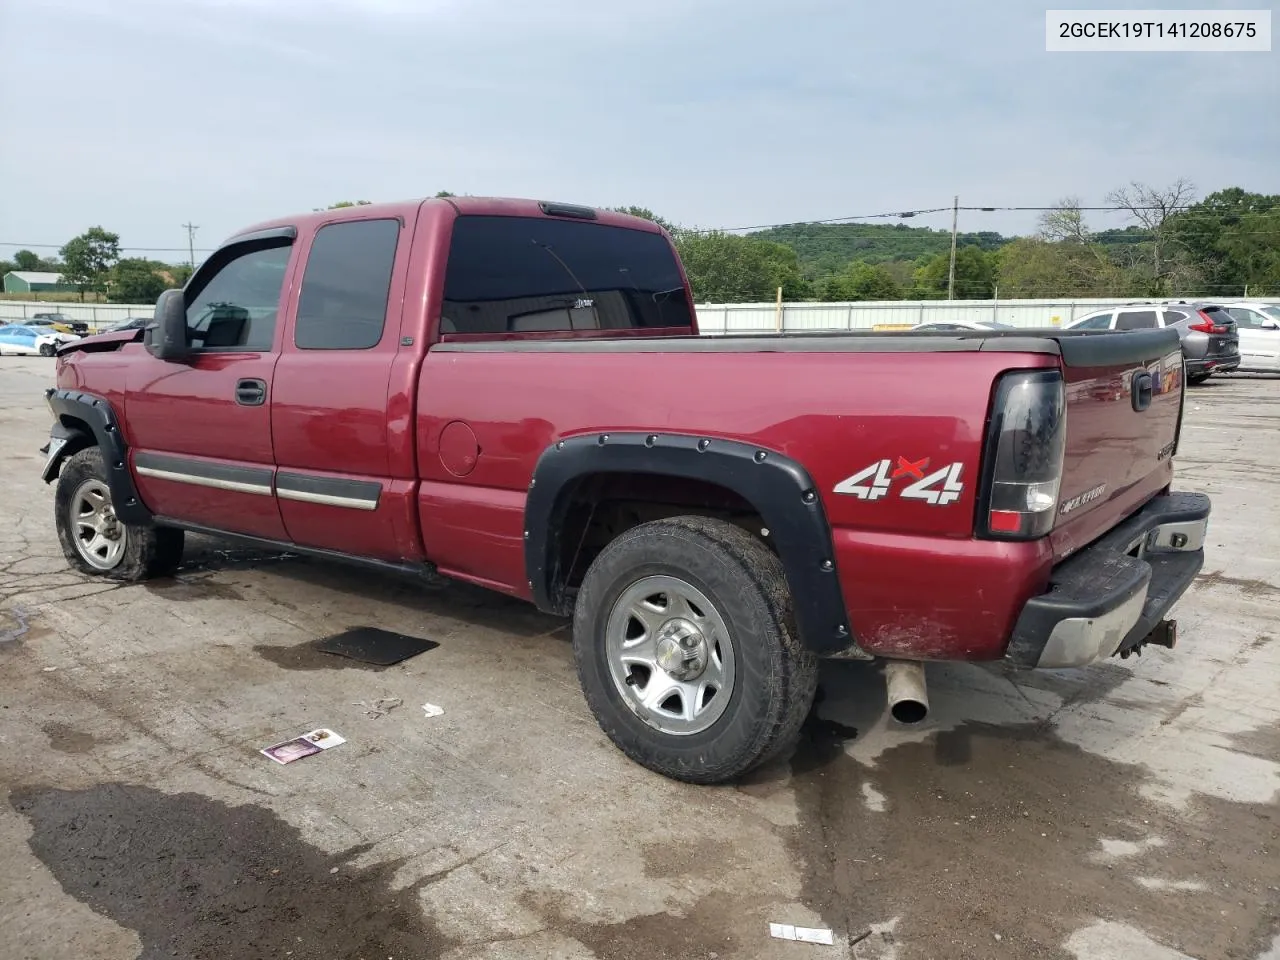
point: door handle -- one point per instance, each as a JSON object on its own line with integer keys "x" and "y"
{"x": 251, "y": 393}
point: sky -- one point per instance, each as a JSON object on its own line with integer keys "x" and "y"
{"x": 143, "y": 115}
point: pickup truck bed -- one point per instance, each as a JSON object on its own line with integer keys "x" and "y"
{"x": 716, "y": 513}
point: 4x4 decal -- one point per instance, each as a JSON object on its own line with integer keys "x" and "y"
{"x": 939, "y": 488}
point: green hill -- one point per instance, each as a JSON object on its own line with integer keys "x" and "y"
{"x": 827, "y": 247}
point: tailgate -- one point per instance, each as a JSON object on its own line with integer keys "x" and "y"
{"x": 1120, "y": 445}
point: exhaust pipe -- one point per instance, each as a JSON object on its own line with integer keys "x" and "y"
{"x": 908, "y": 697}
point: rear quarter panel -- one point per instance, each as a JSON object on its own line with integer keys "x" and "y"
{"x": 835, "y": 413}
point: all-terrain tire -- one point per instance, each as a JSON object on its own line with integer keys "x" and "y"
{"x": 775, "y": 676}
{"x": 46, "y": 350}
{"x": 148, "y": 551}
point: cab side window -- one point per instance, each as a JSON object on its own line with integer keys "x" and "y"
{"x": 236, "y": 307}
{"x": 343, "y": 302}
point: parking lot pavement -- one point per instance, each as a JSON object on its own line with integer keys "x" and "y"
{"x": 1129, "y": 810}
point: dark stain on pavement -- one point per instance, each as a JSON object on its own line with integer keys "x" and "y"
{"x": 308, "y": 656}
{"x": 67, "y": 739}
{"x": 986, "y": 819}
{"x": 1250, "y": 588}
{"x": 193, "y": 588}
{"x": 202, "y": 880}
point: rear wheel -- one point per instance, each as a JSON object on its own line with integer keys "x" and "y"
{"x": 687, "y": 651}
{"x": 1195, "y": 379}
{"x": 96, "y": 541}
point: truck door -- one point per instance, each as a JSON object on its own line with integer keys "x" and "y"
{"x": 200, "y": 428}
{"x": 343, "y": 433}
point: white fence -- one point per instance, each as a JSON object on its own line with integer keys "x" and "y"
{"x": 99, "y": 316}
{"x": 722, "y": 318}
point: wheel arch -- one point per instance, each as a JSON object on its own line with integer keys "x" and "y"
{"x": 777, "y": 488}
{"x": 86, "y": 420}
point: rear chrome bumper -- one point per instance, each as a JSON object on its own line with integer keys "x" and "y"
{"x": 1113, "y": 594}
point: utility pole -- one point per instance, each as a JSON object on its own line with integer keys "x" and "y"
{"x": 191, "y": 229}
{"x": 951, "y": 278}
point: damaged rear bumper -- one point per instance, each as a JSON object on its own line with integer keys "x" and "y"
{"x": 1112, "y": 596}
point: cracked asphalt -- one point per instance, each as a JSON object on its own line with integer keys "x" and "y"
{"x": 1129, "y": 810}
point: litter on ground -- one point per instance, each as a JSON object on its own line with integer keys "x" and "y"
{"x": 303, "y": 746}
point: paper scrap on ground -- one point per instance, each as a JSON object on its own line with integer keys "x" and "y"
{"x": 785, "y": 931}
{"x": 431, "y": 710}
{"x": 303, "y": 746}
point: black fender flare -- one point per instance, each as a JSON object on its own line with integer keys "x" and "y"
{"x": 779, "y": 488}
{"x": 103, "y": 432}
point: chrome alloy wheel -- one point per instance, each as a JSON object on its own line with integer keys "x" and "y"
{"x": 100, "y": 538}
{"x": 670, "y": 655}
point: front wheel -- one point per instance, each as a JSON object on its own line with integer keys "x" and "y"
{"x": 96, "y": 541}
{"x": 687, "y": 651}
{"x": 46, "y": 349}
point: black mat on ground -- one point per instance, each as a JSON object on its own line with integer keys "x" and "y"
{"x": 372, "y": 645}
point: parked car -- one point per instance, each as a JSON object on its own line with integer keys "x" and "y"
{"x": 31, "y": 341}
{"x": 1259, "y": 328}
{"x": 1210, "y": 343}
{"x": 60, "y": 322}
{"x": 129, "y": 323}
{"x": 952, "y": 326}
{"x": 514, "y": 394}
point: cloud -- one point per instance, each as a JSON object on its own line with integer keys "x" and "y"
{"x": 715, "y": 113}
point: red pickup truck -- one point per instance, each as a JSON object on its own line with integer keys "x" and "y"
{"x": 515, "y": 394}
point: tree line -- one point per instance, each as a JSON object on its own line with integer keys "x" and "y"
{"x": 91, "y": 263}
{"x": 1221, "y": 245}
{"x": 1176, "y": 245}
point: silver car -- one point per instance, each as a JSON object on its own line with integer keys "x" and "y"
{"x": 1210, "y": 339}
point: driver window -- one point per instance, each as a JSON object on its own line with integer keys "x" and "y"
{"x": 1245, "y": 317}
{"x": 1100, "y": 322}
{"x": 236, "y": 308}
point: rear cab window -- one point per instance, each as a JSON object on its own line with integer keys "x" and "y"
{"x": 528, "y": 274}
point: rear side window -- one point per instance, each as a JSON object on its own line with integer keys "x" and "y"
{"x": 343, "y": 301}
{"x": 1101, "y": 322}
{"x": 1173, "y": 316}
{"x": 524, "y": 274}
{"x": 1137, "y": 320}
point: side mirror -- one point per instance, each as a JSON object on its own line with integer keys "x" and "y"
{"x": 166, "y": 336}
{"x": 1271, "y": 324}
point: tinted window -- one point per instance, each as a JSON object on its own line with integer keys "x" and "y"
{"x": 1137, "y": 320}
{"x": 1173, "y": 316}
{"x": 1101, "y": 322}
{"x": 343, "y": 303}
{"x": 235, "y": 308}
{"x": 517, "y": 274}
{"x": 1245, "y": 317}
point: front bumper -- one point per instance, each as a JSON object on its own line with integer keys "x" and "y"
{"x": 1109, "y": 597}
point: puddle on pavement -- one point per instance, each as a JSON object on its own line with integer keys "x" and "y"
{"x": 703, "y": 929}
{"x": 200, "y": 879}
{"x": 997, "y": 829}
{"x": 309, "y": 656}
{"x": 15, "y": 622}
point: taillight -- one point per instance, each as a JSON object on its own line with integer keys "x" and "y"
{"x": 1025, "y": 448}
{"x": 1206, "y": 324}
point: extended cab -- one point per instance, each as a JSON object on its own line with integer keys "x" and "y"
{"x": 515, "y": 394}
